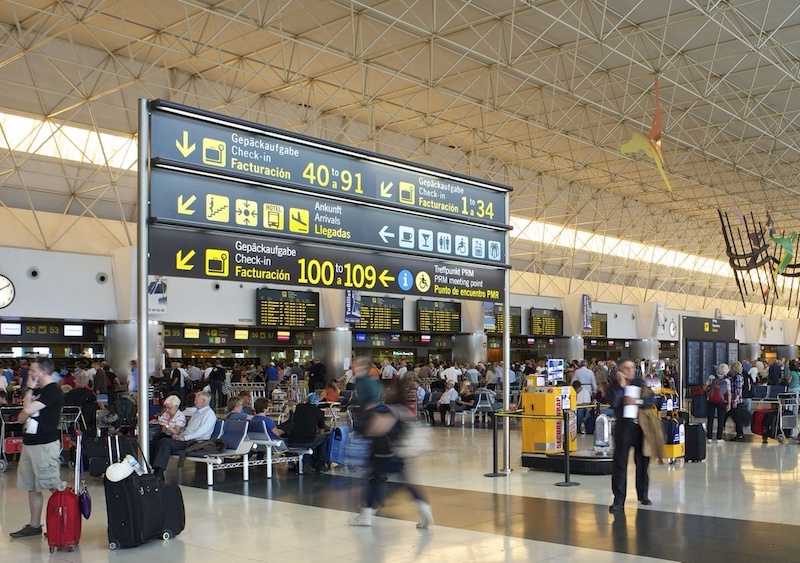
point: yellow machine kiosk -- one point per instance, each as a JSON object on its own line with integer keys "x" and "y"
{"x": 547, "y": 435}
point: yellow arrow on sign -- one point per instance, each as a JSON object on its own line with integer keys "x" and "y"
{"x": 184, "y": 148}
{"x": 183, "y": 206}
{"x": 384, "y": 277}
{"x": 386, "y": 189}
{"x": 182, "y": 262}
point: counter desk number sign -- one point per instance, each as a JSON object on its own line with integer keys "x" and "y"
{"x": 7, "y": 291}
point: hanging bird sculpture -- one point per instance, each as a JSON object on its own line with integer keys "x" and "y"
{"x": 650, "y": 144}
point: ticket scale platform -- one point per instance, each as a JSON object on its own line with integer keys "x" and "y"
{"x": 543, "y": 439}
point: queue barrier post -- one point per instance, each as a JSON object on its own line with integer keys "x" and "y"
{"x": 518, "y": 414}
{"x": 495, "y": 472}
{"x": 566, "y": 482}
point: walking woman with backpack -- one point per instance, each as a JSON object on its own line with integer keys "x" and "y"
{"x": 719, "y": 401}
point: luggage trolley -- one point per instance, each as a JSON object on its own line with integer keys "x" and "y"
{"x": 10, "y": 435}
{"x": 71, "y": 420}
{"x": 787, "y": 417}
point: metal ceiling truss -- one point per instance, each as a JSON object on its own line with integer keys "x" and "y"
{"x": 535, "y": 94}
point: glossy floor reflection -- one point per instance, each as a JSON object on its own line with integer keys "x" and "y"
{"x": 738, "y": 505}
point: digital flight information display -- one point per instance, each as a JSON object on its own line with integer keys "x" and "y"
{"x": 547, "y": 322}
{"x": 438, "y": 316}
{"x": 514, "y": 318}
{"x": 599, "y": 326}
{"x": 381, "y": 313}
{"x": 279, "y": 307}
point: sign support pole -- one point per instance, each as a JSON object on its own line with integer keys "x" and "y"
{"x": 506, "y": 355}
{"x": 142, "y": 246}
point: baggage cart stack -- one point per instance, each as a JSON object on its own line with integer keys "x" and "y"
{"x": 10, "y": 436}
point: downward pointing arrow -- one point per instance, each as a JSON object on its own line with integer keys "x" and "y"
{"x": 386, "y": 189}
{"x": 385, "y": 236}
{"x": 184, "y": 148}
{"x": 183, "y": 206}
{"x": 182, "y": 262}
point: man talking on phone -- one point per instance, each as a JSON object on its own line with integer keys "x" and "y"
{"x": 39, "y": 467}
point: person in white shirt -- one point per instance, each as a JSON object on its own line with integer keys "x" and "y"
{"x": 586, "y": 377}
{"x": 388, "y": 371}
{"x": 443, "y": 404}
{"x": 200, "y": 427}
{"x": 349, "y": 378}
{"x": 582, "y": 398}
{"x": 452, "y": 373}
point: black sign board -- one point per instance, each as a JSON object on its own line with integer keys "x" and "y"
{"x": 699, "y": 328}
{"x": 200, "y": 254}
{"x": 547, "y": 322}
{"x": 438, "y": 316}
{"x": 380, "y": 313}
{"x": 229, "y": 146}
{"x": 283, "y": 308}
{"x": 212, "y": 202}
{"x": 527, "y": 342}
{"x": 399, "y": 340}
{"x": 193, "y": 335}
{"x": 50, "y": 332}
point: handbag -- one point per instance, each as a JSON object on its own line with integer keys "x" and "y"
{"x": 85, "y": 502}
{"x": 410, "y": 438}
{"x": 84, "y": 499}
{"x": 415, "y": 440}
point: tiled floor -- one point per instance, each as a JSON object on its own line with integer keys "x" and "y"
{"x": 740, "y": 504}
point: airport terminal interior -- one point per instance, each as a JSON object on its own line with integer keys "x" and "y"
{"x": 609, "y": 177}
{"x": 737, "y": 505}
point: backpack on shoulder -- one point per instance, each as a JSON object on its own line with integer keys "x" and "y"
{"x": 716, "y": 393}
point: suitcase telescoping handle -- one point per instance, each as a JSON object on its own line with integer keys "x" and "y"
{"x": 78, "y": 459}
{"x": 113, "y": 445}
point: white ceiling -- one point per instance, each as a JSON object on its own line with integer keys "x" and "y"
{"x": 538, "y": 95}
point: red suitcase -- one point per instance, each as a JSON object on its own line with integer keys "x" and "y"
{"x": 757, "y": 421}
{"x": 63, "y": 520}
{"x": 63, "y": 516}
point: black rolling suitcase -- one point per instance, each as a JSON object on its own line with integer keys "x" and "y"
{"x": 141, "y": 507}
{"x": 174, "y": 512}
{"x": 695, "y": 442}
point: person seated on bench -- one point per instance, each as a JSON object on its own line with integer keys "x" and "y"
{"x": 466, "y": 400}
{"x": 171, "y": 421}
{"x": 247, "y": 402}
{"x": 330, "y": 394}
{"x": 261, "y": 407}
{"x": 236, "y": 410}
{"x": 200, "y": 427}
{"x": 443, "y": 404}
{"x": 308, "y": 430}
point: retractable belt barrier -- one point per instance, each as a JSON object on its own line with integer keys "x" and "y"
{"x": 519, "y": 414}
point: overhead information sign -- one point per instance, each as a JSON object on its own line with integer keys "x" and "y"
{"x": 218, "y": 203}
{"x": 227, "y": 146}
{"x": 201, "y": 254}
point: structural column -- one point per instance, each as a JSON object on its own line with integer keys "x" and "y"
{"x": 577, "y": 316}
{"x": 470, "y": 347}
{"x": 750, "y": 349}
{"x": 121, "y": 348}
{"x": 334, "y": 348}
{"x": 646, "y": 349}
